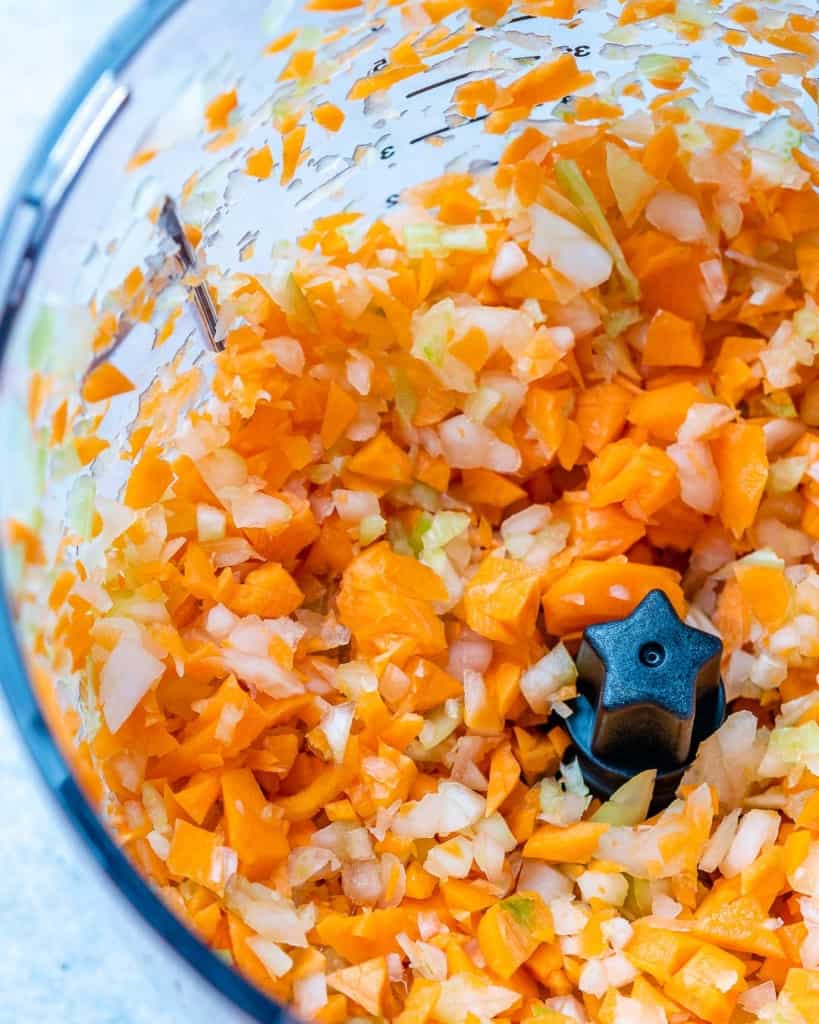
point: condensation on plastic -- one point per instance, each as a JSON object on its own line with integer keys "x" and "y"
{"x": 69, "y": 243}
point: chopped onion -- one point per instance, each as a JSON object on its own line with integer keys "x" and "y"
{"x": 307, "y": 863}
{"x": 510, "y": 260}
{"x": 470, "y": 652}
{"x": 450, "y": 809}
{"x": 361, "y": 882}
{"x": 128, "y": 674}
{"x": 452, "y": 859}
{"x": 757, "y": 829}
{"x": 469, "y": 995}
{"x": 549, "y": 679}
{"x": 677, "y": 215}
{"x": 470, "y": 445}
{"x": 353, "y": 506}
{"x": 549, "y": 883}
{"x": 336, "y": 726}
{"x": 608, "y": 886}
{"x": 571, "y": 251}
{"x": 274, "y": 958}
{"x": 699, "y": 480}
{"x": 288, "y": 352}
{"x": 310, "y": 994}
{"x": 703, "y": 420}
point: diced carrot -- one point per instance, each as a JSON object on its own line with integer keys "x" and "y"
{"x": 504, "y": 772}
{"x": 662, "y": 410}
{"x": 339, "y": 412}
{"x": 672, "y": 341}
{"x": 739, "y": 926}
{"x": 192, "y": 854}
{"x": 501, "y": 600}
{"x": 218, "y": 111}
{"x": 709, "y": 984}
{"x": 510, "y": 931}
{"x": 269, "y": 592}
{"x": 592, "y": 592}
{"x": 601, "y": 413}
{"x": 259, "y": 163}
{"x": 574, "y": 844}
{"x": 658, "y": 951}
{"x": 484, "y": 487}
{"x": 105, "y": 381}
{"x": 768, "y": 593}
{"x": 329, "y": 116}
{"x": 382, "y": 459}
{"x": 256, "y": 836}
{"x": 199, "y": 796}
{"x": 149, "y": 480}
{"x": 292, "y": 153}
{"x": 742, "y": 463}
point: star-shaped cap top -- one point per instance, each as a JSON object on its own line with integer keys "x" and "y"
{"x": 645, "y": 675}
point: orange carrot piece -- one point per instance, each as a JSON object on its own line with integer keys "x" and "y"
{"x": 572, "y": 844}
{"x": 259, "y": 163}
{"x": 590, "y": 592}
{"x": 339, "y": 412}
{"x": 329, "y": 116}
{"x": 672, "y": 341}
{"x": 105, "y": 381}
{"x": 218, "y": 111}
{"x": 742, "y": 463}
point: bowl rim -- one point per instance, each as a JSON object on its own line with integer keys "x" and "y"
{"x": 17, "y": 254}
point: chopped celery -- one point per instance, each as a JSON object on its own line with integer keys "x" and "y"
{"x": 80, "y": 511}
{"x": 638, "y": 902}
{"x": 405, "y": 400}
{"x": 421, "y": 238}
{"x": 41, "y": 339}
{"x": 632, "y": 186}
{"x": 431, "y": 333}
{"x": 371, "y": 528}
{"x": 444, "y": 527}
{"x": 621, "y": 320}
{"x": 415, "y": 537}
{"x": 571, "y": 180}
{"x": 630, "y": 803}
{"x": 785, "y": 475}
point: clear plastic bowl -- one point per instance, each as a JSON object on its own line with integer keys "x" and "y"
{"x": 78, "y": 224}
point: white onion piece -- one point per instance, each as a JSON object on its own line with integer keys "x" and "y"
{"x": 288, "y": 352}
{"x": 703, "y": 420}
{"x": 310, "y": 994}
{"x": 470, "y": 445}
{"x": 509, "y": 261}
{"x": 470, "y": 652}
{"x": 275, "y": 960}
{"x": 757, "y": 829}
{"x": 549, "y": 883}
{"x": 128, "y": 674}
{"x": 361, "y": 882}
{"x": 571, "y": 251}
{"x": 699, "y": 480}
{"x": 677, "y": 215}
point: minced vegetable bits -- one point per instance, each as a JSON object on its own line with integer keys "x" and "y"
{"x": 326, "y": 638}
{"x": 339, "y": 604}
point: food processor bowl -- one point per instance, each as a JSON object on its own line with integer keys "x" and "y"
{"x": 83, "y": 240}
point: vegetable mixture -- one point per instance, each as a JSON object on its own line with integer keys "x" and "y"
{"x": 331, "y": 641}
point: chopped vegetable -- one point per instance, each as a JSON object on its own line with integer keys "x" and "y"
{"x": 321, "y": 628}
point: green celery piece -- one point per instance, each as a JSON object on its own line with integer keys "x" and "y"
{"x": 629, "y": 804}
{"x": 571, "y": 180}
